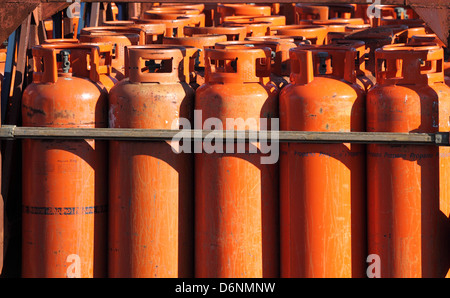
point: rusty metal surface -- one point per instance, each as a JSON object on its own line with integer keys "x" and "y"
{"x": 46, "y": 10}
{"x": 438, "y": 19}
{"x": 12, "y": 14}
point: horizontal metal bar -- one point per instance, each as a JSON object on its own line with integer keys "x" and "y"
{"x": 10, "y": 132}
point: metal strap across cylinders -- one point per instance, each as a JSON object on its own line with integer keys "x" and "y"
{"x": 10, "y": 132}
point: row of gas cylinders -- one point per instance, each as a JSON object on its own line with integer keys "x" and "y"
{"x": 142, "y": 209}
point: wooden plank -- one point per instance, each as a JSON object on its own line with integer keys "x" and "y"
{"x": 122, "y": 134}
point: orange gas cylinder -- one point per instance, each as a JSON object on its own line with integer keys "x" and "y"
{"x": 310, "y": 12}
{"x": 274, "y": 20}
{"x": 64, "y": 201}
{"x": 288, "y": 10}
{"x": 298, "y": 40}
{"x": 361, "y": 12}
{"x": 232, "y": 33}
{"x": 333, "y": 36}
{"x": 426, "y": 38}
{"x": 408, "y": 192}
{"x": 335, "y": 27}
{"x": 98, "y": 52}
{"x": 254, "y": 28}
{"x": 60, "y": 40}
{"x": 354, "y": 21}
{"x": 322, "y": 186}
{"x": 211, "y": 15}
{"x": 117, "y": 29}
{"x": 356, "y": 28}
{"x": 236, "y": 201}
{"x": 189, "y": 61}
{"x": 118, "y": 23}
{"x": 105, "y": 66}
{"x": 197, "y": 18}
{"x": 374, "y": 38}
{"x": 201, "y": 42}
{"x": 153, "y": 32}
{"x": 364, "y": 77}
{"x": 434, "y": 39}
{"x": 118, "y": 41}
{"x": 151, "y": 186}
{"x": 280, "y": 62}
{"x": 408, "y": 22}
{"x": 314, "y": 33}
{"x": 338, "y": 25}
{"x": 174, "y": 28}
{"x": 207, "y": 9}
{"x": 242, "y": 10}
{"x": 404, "y": 36}
{"x": 344, "y": 11}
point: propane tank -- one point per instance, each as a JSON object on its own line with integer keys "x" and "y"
{"x": 336, "y": 21}
{"x": 322, "y": 196}
{"x": 310, "y": 12}
{"x": 331, "y": 25}
{"x": 273, "y": 20}
{"x": 364, "y": 77}
{"x": 434, "y": 39}
{"x": 236, "y": 191}
{"x": 344, "y": 11}
{"x": 201, "y": 42}
{"x": 151, "y": 185}
{"x": 196, "y": 18}
{"x": 64, "y": 201}
{"x": 189, "y": 62}
{"x": 105, "y": 58}
{"x": 254, "y": 28}
{"x": 60, "y": 40}
{"x": 298, "y": 40}
{"x": 118, "y": 41}
{"x": 374, "y": 38}
{"x": 174, "y": 28}
{"x": 232, "y": 33}
{"x": 404, "y": 36}
{"x": 240, "y": 9}
{"x": 153, "y": 33}
{"x": 117, "y": 23}
{"x": 121, "y": 30}
{"x": 315, "y": 34}
{"x": 408, "y": 22}
{"x": 100, "y": 52}
{"x": 408, "y": 193}
{"x": 280, "y": 63}
{"x": 356, "y": 28}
